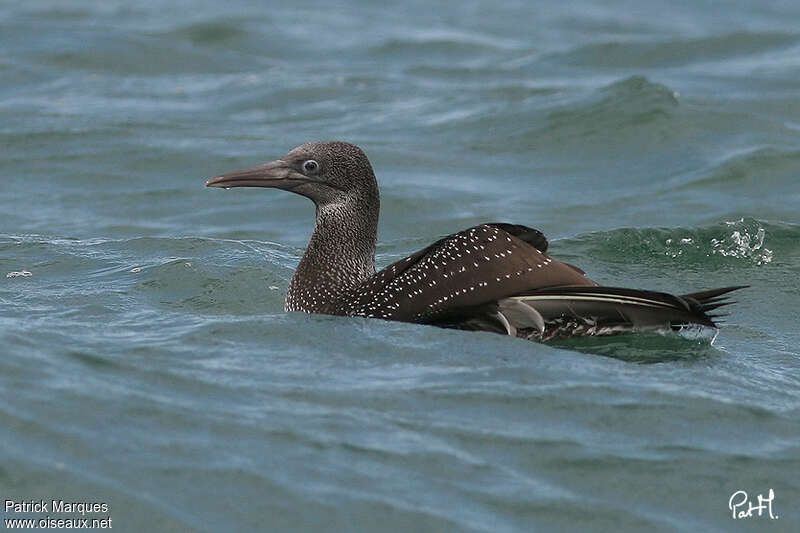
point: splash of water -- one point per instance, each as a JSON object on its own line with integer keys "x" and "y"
{"x": 746, "y": 241}
{"x": 743, "y": 239}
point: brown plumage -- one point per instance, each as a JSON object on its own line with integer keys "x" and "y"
{"x": 494, "y": 277}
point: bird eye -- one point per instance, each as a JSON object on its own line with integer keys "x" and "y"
{"x": 310, "y": 166}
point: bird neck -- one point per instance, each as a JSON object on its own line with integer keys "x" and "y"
{"x": 340, "y": 255}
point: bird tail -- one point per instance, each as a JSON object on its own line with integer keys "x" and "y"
{"x": 559, "y": 312}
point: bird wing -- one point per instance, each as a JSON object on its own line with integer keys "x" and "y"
{"x": 470, "y": 269}
{"x": 532, "y": 236}
{"x": 610, "y": 310}
{"x": 567, "y": 311}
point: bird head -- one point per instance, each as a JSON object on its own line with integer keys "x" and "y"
{"x": 326, "y": 172}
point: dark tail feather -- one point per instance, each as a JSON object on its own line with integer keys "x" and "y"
{"x": 707, "y": 301}
{"x": 571, "y": 311}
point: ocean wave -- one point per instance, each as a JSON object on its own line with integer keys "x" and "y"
{"x": 632, "y": 102}
{"x": 547, "y": 119}
{"x": 745, "y": 242}
{"x": 192, "y": 274}
{"x": 649, "y": 54}
{"x": 741, "y": 167}
{"x": 212, "y": 32}
{"x": 441, "y": 42}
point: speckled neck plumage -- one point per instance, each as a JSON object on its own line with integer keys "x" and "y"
{"x": 339, "y": 257}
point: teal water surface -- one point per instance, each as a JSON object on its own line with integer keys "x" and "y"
{"x": 145, "y": 358}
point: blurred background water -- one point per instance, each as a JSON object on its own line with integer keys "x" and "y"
{"x": 146, "y": 362}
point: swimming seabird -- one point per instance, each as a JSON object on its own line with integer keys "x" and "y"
{"x": 495, "y": 277}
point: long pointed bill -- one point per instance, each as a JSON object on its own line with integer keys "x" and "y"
{"x": 278, "y": 174}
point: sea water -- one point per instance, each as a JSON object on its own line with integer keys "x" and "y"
{"x": 146, "y": 363}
